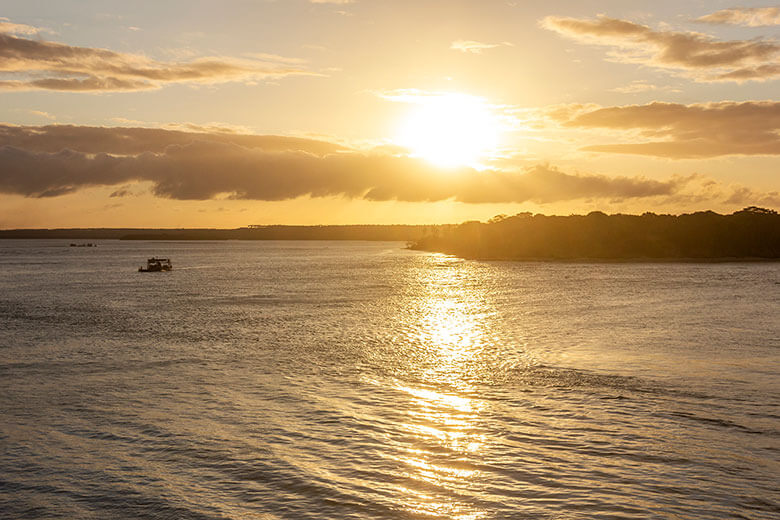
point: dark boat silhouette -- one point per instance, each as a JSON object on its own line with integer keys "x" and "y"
{"x": 156, "y": 265}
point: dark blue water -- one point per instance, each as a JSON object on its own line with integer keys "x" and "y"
{"x": 359, "y": 380}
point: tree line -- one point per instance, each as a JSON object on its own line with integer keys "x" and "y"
{"x": 750, "y": 233}
{"x": 271, "y": 232}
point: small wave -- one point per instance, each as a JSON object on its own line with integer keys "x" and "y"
{"x": 559, "y": 377}
{"x": 715, "y": 421}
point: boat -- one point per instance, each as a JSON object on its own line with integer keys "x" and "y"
{"x": 156, "y": 265}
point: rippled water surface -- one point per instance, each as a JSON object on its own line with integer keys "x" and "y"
{"x": 360, "y": 380}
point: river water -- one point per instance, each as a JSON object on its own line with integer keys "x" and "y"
{"x": 269, "y": 380}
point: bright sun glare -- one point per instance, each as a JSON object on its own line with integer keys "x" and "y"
{"x": 450, "y": 130}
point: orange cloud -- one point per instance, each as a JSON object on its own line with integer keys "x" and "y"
{"x": 6, "y": 26}
{"x": 133, "y": 141}
{"x": 698, "y": 55}
{"x": 474, "y": 47}
{"x": 79, "y": 69}
{"x": 200, "y": 166}
{"x": 685, "y": 131}
{"x": 747, "y": 16}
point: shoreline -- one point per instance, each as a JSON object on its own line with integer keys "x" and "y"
{"x": 632, "y": 260}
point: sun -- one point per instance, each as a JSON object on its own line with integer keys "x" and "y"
{"x": 450, "y": 130}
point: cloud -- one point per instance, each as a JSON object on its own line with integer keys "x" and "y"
{"x": 215, "y": 127}
{"x": 474, "y": 47}
{"x": 41, "y": 113}
{"x": 744, "y": 196}
{"x": 55, "y": 160}
{"x": 121, "y": 192}
{"x": 8, "y": 27}
{"x": 134, "y": 141}
{"x": 30, "y": 64}
{"x": 638, "y": 86}
{"x": 684, "y": 131}
{"x": 747, "y": 16}
{"x": 546, "y": 184}
{"x": 208, "y": 128}
{"x": 748, "y": 73}
{"x": 697, "y": 55}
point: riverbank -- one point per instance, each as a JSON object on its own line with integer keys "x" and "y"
{"x": 752, "y": 234}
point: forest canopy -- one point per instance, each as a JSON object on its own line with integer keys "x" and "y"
{"x": 750, "y": 233}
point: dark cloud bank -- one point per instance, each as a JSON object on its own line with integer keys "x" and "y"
{"x": 686, "y": 131}
{"x": 54, "y": 160}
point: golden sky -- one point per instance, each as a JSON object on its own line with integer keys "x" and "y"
{"x": 224, "y": 114}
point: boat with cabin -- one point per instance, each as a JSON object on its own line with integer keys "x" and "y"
{"x": 156, "y": 265}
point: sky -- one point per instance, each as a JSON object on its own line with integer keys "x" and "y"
{"x": 233, "y": 113}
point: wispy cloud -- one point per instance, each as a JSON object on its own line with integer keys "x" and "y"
{"x": 8, "y": 27}
{"x": 746, "y": 16}
{"x": 29, "y": 64}
{"x": 744, "y": 196}
{"x": 683, "y": 131}
{"x": 638, "y": 86}
{"x": 41, "y": 113}
{"x": 200, "y": 166}
{"x": 214, "y": 127}
{"x": 475, "y": 47}
{"x": 696, "y": 55}
{"x": 274, "y": 58}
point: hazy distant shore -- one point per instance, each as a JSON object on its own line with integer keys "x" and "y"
{"x": 274, "y": 232}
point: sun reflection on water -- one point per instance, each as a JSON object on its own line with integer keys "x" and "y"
{"x": 445, "y": 431}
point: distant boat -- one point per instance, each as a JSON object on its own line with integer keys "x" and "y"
{"x": 88, "y": 244}
{"x": 156, "y": 265}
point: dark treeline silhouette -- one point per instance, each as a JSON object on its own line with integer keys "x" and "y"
{"x": 278, "y": 232}
{"x": 750, "y": 233}
{"x": 347, "y": 232}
